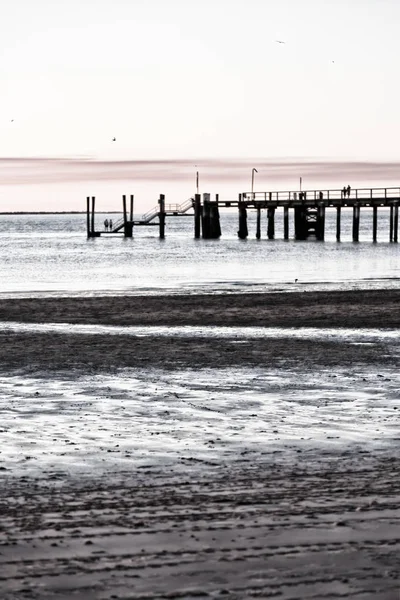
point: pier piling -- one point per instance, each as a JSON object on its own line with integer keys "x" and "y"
{"x": 338, "y": 222}
{"x": 206, "y": 217}
{"x": 161, "y": 216}
{"x": 396, "y": 222}
{"x": 92, "y": 216}
{"x": 391, "y": 215}
{"x": 258, "y": 226}
{"x": 128, "y": 225}
{"x": 243, "y": 231}
{"x": 215, "y": 225}
{"x": 197, "y": 216}
{"x": 320, "y": 225}
{"x": 88, "y": 216}
{"x": 131, "y": 208}
{"x": 374, "y": 223}
{"x": 286, "y": 222}
{"x": 356, "y": 222}
{"x": 271, "y": 223}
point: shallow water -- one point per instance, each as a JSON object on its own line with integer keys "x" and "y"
{"x": 50, "y": 255}
{"x": 150, "y": 418}
{"x": 316, "y": 333}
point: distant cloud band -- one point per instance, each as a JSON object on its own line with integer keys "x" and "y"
{"x": 22, "y": 171}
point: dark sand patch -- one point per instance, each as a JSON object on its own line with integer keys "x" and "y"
{"x": 365, "y": 308}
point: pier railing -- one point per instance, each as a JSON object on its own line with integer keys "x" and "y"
{"x": 321, "y": 194}
{"x": 177, "y": 209}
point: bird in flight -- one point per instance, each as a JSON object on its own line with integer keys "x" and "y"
{"x": 114, "y": 139}
{"x": 280, "y": 42}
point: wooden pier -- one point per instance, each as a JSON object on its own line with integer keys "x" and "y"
{"x": 308, "y": 209}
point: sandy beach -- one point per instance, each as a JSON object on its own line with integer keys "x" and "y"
{"x": 146, "y": 466}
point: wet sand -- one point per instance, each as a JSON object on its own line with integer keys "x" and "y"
{"x": 316, "y": 521}
{"x": 361, "y": 308}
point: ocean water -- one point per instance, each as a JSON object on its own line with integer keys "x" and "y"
{"x": 75, "y": 422}
{"x": 50, "y": 255}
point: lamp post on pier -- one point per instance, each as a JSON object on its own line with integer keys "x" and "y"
{"x": 254, "y": 170}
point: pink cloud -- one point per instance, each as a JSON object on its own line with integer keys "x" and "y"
{"x": 20, "y": 171}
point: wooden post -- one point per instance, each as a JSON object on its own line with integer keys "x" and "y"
{"x": 93, "y": 210}
{"x": 258, "y": 228}
{"x": 197, "y": 216}
{"x": 338, "y": 215}
{"x": 374, "y": 223}
{"x": 396, "y": 222}
{"x": 126, "y": 228}
{"x": 391, "y": 224}
{"x": 300, "y": 223}
{"x": 356, "y": 222}
{"x": 206, "y": 217}
{"x": 215, "y": 225}
{"x": 124, "y": 209}
{"x": 88, "y": 216}
{"x": 271, "y": 223}
{"x": 161, "y": 216}
{"x": 243, "y": 231}
{"x": 320, "y": 225}
{"x": 131, "y": 208}
{"x": 286, "y": 222}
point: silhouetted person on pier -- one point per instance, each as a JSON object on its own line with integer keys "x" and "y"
{"x": 110, "y": 225}
{"x": 106, "y": 224}
{"x": 321, "y": 195}
{"x": 344, "y": 192}
{"x": 348, "y": 189}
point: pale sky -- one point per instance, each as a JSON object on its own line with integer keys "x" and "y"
{"x": 199, "y": 79}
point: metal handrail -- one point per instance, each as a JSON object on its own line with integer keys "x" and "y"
{"x": 117, "y": 224}
{"x": 178, "y": 208}
{"x": 322, "y": 194}
{"x": 150, "y": 215}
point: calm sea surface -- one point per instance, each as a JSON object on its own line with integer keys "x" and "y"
{"x": 50, "y": 255}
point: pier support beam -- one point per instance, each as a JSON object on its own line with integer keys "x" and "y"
{"x": 286, "y": 222}
{"x": 396, "y": 223}
{"x": 300, "y": 223}
{"x": 131, "y": 208}
{"x": 88, "y": 216}
{"x": 271, "y": 223}
{"x": 320, "y": 226}
{"x": 206, "y": 217}
{"x": 391, "y": 224}
{"x": 356, "y": 222}
{"x": 215, "y": 225}
{"x": 374, "y": 223}
{"x": 161, "y": 216}
{"x": 127, "y": 224}
{"x": 197, "y": 216}
{"x": 92, "y": 216}
{"x": 258, "y": 226}
{"x": 243, "y": 232}
{"x": 338, "y": 222}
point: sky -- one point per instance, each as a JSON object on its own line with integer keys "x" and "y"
{"x": 192, "y": 82}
